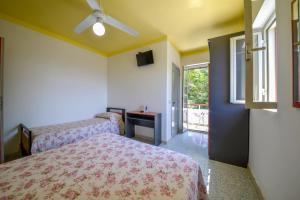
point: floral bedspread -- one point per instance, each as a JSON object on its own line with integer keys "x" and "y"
{"x": 104, "y": 166}
{"x": 54, "y": 136}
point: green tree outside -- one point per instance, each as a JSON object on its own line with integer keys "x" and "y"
{"x": 197, "y": 86}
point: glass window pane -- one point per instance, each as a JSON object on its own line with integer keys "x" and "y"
{"x": 240, "y": 70}
{"x": 296, "y": 51}
{"x": 258, "y": 69}
{"x": 237, "y": 70}
{"x": 296, "y": 74}
{"x": 271, "y": 33}
{"x": 264, "y": 51}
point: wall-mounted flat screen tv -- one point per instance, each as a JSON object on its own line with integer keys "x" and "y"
{"x": 144, "y": 58}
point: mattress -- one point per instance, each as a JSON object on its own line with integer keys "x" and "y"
{"x": 104, "y": 166}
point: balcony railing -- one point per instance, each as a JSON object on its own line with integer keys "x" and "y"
{"x": 195, "y": 117}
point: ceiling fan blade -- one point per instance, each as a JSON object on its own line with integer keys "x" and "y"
{"x": 87, "y": 22}
{"x": 115, "y": 23}
{"x": 93, "y": 4}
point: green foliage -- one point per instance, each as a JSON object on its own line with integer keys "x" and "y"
{"x": 198, "y": 86}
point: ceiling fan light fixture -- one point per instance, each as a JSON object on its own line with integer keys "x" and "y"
{"x": 99, "y": 29}
{"x": 97, "y": 18}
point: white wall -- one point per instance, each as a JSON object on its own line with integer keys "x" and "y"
{"x": 130, "y": 86}
{"x": 47, "y": 81}
{"x": 275, "y": 136}
{"x": 195, "y": 58}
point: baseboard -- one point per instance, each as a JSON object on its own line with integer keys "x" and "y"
{"x": 258, "y": 190}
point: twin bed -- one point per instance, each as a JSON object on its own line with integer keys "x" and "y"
{"x": 103, "y": 166}
{"x": 39, "y": 139}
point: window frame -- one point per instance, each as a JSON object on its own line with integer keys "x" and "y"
{"x": 249, "y": 102}
{"x": 268, "y": 27}
{"x": 295, "y": 44}
{"x": 261, "y": 61}
{"x": 233, "y": 86}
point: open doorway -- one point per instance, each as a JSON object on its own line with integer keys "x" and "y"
{"x": 195, "y": 97}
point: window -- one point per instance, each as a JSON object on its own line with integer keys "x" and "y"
{"x": 296, "y": 53}
{"x": 264, "y": 64}
{"x": 237, "y": 70}
{"x": 260, "y": 39}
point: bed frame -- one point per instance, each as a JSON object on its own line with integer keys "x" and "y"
{"x": 26, "y": 134}
{"x": 120, "y": 111}
{"x": 25, "y": 140}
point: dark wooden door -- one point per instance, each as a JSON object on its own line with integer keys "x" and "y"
{"x": 175, "y": 99}
{"x": 1, "y": 102}
{"x": 228, "y": 123}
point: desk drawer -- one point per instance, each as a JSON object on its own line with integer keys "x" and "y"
{"x": 141, "y": 122}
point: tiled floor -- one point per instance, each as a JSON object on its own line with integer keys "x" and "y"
{"x": 223, "y": 181}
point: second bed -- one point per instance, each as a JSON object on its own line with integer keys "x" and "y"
{"x": 40, "y": 139}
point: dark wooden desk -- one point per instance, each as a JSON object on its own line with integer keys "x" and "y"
{"x": 146, "y": 119}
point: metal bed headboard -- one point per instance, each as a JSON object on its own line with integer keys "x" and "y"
{"x": 117, "y": 110}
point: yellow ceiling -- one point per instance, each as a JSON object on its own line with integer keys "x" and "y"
{"x": 186, "y": 23}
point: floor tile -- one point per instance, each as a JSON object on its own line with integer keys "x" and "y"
{"x": 223, "y": 181}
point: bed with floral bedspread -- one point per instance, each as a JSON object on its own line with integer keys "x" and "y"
{"x": 54, "y": 136}
{"x": 104, "y": 166}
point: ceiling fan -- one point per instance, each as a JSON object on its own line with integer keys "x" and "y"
{"x": 97, "y": 18}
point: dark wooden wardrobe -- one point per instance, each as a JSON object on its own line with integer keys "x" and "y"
{"x": 228, "y": 123}
{"x": 1, "y": 101}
